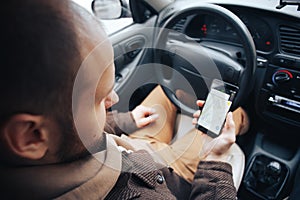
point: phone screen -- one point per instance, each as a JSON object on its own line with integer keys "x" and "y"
{"x": 215, "y": 109}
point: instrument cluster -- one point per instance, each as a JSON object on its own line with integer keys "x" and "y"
{"x": 208, "y": 27}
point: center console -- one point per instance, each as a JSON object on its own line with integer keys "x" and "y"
{"x": 280, "y": 94}
{"x": 270, "y": 169}
{"x": 266, "y": 177}
{"x": 275, "y": 153}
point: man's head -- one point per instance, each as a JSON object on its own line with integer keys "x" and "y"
{"x": 43, "y": 46}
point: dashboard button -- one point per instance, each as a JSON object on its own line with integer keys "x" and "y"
{"x": 282, "y": 76}
{"x": 262, "y": 62}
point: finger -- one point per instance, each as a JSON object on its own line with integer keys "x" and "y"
{"x": 229, "y": 129}
{"x": 147, "y": 120}
{"x": 200, "y": 103}
{"x": 151, "y": 111}
{"x": 194, "y": 121}
{"x": 197, "y": 114}
{"x": 143, "y": 122}
{"x": 153, "y": 117}
{"x": 148, "y": 110}
{"x": 229, "y": 124}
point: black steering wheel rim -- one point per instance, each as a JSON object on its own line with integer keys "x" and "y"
{"x": 245, "y": 81}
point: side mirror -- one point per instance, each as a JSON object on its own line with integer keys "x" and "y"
{"x": 110, "y": 9}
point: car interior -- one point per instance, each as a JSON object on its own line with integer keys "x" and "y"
{"x": 254, "y": 45}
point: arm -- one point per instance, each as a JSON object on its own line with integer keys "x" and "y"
{"x": 213, "y": 178}
{"x": 126, "y": 123}
{"x": 119, "y": 123}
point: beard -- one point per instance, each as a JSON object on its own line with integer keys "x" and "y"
{"x": 72, "y": 148}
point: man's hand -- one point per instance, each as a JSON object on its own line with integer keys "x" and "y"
{"x": 196, "y": 115}
{"x": 143, "y": 116}
{"x": 217, "y": 149}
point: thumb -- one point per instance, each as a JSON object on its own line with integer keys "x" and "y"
{"x": 229, "y": 124}
{"x": 147, "y": 120}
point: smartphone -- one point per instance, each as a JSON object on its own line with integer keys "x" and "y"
{"x": 216, "y": 107}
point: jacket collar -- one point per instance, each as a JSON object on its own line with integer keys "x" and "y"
{"x": 89, "y": 178}
{"x": 101, "y": 170}
{"x": 140, "y": 164}
{"x": 103, "y": 182}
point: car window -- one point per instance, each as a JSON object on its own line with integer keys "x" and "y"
{"x": 111, "y": 25}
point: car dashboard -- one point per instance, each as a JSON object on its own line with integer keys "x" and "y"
{"x": 274, "y": 103}
{"x": 277, "y": 41}
{"x": 210, "y": 28}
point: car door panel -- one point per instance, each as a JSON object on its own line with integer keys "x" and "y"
{"x": 129, "y": 46}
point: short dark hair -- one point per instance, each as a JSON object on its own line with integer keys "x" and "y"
{"x": 40, "y": 57}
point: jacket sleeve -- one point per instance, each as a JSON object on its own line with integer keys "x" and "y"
{"x": 179, "y": 187}
{"x": 213, "y": 180}
{"x": 119, "y": 123}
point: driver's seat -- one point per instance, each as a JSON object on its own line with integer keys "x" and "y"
{"x": 236, "y": 159}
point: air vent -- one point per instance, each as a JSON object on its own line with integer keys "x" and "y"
{"x": 179, "y": 26}
{"x": 290, "y": 39}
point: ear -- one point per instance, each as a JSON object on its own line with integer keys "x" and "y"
{"x": 26, "y": 136}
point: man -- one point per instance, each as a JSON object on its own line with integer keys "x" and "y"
{"x": 57, "y": 76}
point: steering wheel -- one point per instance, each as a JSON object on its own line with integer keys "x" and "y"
{"x": 190, "y": 65}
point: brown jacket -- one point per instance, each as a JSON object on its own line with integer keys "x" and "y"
{"x": 142, "y": 178}
{"x": 115, "y": 174}
{"x": 213, "y": 180}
